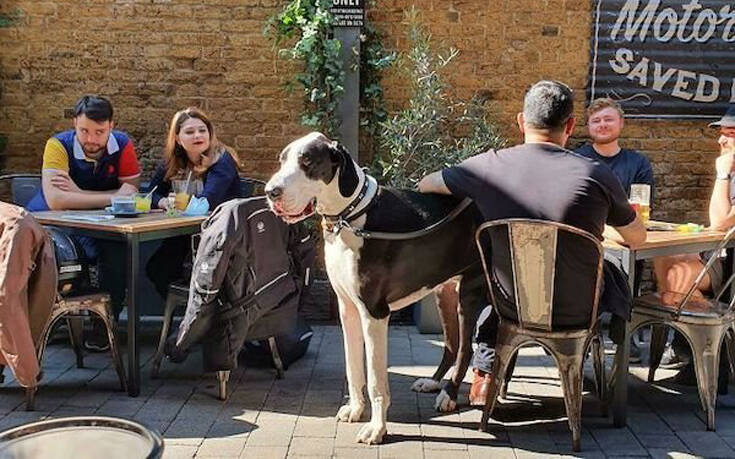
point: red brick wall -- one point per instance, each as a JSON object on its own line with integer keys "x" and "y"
{"x": 153, "y": 57}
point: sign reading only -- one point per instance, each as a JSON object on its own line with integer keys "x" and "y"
{"x": 348, "y": 13}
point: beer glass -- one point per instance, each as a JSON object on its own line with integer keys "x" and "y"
{"x": 640, "y": 200}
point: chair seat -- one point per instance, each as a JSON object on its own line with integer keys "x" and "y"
{"x": 74, "y": 309}
{"x": 81, "y": 304}
{"x": 180, "y": 287}
{"x": 571, "y": 333}
{"x": 712, "y": 312}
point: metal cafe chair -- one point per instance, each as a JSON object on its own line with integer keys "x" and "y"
{"x": 704, "y": 327}
{"x": 178, "y": 295}
{"x": 76, "y": 308}
{"x": 529, "y": 314}
{"x": 23, "y": 186}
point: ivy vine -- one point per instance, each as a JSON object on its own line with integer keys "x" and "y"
{"x": 12, "y": 18}
{"x": 302, "y": 33}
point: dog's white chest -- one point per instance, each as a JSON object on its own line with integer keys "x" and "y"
{"x": 341, "y": 258}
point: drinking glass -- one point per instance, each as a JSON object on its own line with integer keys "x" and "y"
{"x": 142, "y": 202}
{"x": 181, "y": 188}
{"x": 640, "y": 200}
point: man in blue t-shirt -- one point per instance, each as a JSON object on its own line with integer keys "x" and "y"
{"x": 604, "y": 124}
{"x": 540, "y": 179}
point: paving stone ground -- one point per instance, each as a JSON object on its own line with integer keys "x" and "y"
{"x": 268, "y": 418}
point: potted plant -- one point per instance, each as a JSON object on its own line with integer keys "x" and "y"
{"x": 435, "y": 130}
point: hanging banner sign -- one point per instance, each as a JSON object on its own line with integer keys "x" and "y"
{"x": 348, "y": 13}
{"x": 664, "y": 58}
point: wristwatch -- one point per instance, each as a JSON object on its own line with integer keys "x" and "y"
{"x": 721, "y": 176}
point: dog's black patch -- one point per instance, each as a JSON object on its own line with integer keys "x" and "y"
{"x": 315, "y": 159}
{"x": 401, "y": 211}
{"x": 391, "y": 270}
{"x": 348, "y": 178}
{"x": 321, "y": 160}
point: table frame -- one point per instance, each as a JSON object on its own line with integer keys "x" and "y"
{"x": 132, "y": 232}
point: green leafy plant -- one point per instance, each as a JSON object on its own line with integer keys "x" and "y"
{"x": 306, "y": 26}
{"x": 10, "y": 19}
{"x": 435, "y": 130}
{"x": 307, "y": 23}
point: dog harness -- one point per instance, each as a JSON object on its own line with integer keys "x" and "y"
{"x": 336, "y": 223}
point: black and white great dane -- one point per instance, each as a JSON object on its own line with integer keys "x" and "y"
{"x": 373, "y": 276}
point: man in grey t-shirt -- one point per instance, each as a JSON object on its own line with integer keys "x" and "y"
{"x": 540, "y": 179}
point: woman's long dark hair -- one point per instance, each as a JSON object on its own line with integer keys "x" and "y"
{"x": 174, "y": 154}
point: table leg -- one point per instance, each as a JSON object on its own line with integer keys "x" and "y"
{"x": 133, "y": 259}
{"x": 622, "y": 356}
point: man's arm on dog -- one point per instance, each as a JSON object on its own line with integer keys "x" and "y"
{"x": 434, "y": 183}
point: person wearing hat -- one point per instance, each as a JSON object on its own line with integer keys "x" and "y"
{"x": 676, "y": 274}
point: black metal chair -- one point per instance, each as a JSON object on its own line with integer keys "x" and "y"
{"x": 525, "y": 252}
{"x": 705, "y": 327}
{"x": 178, "y": 295}
{"x": 23, "y": 186}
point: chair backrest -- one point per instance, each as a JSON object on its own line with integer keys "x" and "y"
{"x": 251, "y": 187}
{"x": 22, "y": 187}
{"x": 543, "y": 275}
{"x": 713, "y": 258}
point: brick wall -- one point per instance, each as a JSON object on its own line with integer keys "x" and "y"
{"x": 153, "y": 57}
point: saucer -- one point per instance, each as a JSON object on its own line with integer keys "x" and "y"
{"x": 123, "y": 214}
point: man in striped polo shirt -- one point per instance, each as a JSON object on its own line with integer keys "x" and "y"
{"x": 83, "y": 168}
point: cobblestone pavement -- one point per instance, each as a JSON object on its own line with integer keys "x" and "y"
{"x": 268, "y": 418}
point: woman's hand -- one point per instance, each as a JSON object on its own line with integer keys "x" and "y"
{"x": 163, "y": 203}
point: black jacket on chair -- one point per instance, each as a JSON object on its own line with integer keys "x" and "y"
{"x": 246, "y": 282}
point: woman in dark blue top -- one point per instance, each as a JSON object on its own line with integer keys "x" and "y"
{"x": 192, "y": 150}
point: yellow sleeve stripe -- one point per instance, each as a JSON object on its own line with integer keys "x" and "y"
{"x": 54, "y": 156}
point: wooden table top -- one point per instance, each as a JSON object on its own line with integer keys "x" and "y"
{"x": 656, "y": 239}
{"x": 153, "y": 221}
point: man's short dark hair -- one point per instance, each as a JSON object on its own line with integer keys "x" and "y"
{"x": 96, "y": 108}
{"x": 548, "y": 105}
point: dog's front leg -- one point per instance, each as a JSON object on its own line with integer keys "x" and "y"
{"x": 376, "y": 346}
{"x": 354, "y": 361}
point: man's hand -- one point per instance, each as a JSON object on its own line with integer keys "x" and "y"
{"x": 63, "y": 181}
{"x": 433, "y": 183}
{"x": 724, "y": 163}
{"x": 126, "y": 189}
{"x": 631, "y": 235}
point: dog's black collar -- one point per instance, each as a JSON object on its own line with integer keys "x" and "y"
{"x": 345, "y": 215}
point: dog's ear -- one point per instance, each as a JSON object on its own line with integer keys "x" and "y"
{"x": 348, "y": 179}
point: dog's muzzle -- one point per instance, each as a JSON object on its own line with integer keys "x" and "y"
{"x": 290, "y": 217}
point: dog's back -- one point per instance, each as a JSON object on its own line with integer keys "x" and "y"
{"x": 402, "y": 211}
{"x": 395, "y": 269}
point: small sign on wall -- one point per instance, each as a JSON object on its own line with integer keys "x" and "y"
{"x": 664, "y": 58}
{"x": 348, "y": 13}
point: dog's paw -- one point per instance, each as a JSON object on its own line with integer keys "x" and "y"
{"x": 426, "y": 385}
{"x": 444, "y": 403}
{"x": 371, "y": 433}
{"x": 350, "y": 412}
